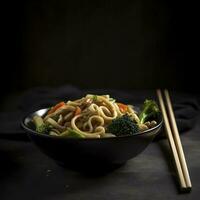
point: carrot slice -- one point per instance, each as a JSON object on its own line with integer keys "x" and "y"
{"x": 53, "y": 109}
{"x": 77, "y": 111}
{"x": 123, "y": 108}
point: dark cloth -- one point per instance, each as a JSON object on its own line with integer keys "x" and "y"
{"x": 186, "y": 107}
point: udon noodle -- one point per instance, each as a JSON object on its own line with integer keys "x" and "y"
{"x": 89, "y": 116}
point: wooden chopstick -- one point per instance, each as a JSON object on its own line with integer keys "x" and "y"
{"x": 177, "y": 140}
{"x": 175, "y": 144}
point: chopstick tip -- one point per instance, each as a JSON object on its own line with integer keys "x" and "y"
{"x": 186, "y": 189}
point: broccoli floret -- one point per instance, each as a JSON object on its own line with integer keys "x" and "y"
{"x": 122, "y": 126}
{"x": 44, "y": 128}
{"x": 150, "y": 111}
{"x": 41, "y": 127}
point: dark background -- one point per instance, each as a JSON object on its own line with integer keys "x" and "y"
{"x": 137, "y": 44}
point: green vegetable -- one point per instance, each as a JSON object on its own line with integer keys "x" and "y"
{"x": 71, "y": 133}
{"x": 41, "y": 127}
{"x": 94, "y": 97}
{"x": 111, "y": 99}
{"x": 122, "y": 126}
{"x": 150, "y": 111}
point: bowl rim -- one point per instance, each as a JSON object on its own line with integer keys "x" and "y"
{"x": 33, "y": 132}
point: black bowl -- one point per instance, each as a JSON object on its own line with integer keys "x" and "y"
{"x": 90, "y": 153}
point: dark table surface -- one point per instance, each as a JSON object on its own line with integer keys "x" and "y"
{"x": 26, "y": 173}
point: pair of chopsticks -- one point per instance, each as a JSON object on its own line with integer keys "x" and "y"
{"x": 174, "y": 141}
